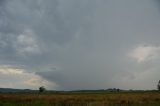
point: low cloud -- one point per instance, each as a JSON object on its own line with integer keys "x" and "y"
{"x": 26, "y": 43}
{"x": 17, "y": 77}
{"x": 145, "y": 53}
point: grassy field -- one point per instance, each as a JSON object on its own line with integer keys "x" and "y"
{"x": 81, "y": 99}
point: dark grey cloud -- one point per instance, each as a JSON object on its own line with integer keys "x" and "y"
{"x": 85, "y": 44}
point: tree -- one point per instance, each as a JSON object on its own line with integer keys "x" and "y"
{"x": 42, "y": 89}
{"x": 158, "y": 86}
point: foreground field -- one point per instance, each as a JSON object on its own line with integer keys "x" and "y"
{"x": 82, "y": 99}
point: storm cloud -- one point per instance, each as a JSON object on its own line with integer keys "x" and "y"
{"x": 80, "y": 44}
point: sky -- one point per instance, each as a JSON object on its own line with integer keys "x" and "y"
{"x": 79, "y": 44}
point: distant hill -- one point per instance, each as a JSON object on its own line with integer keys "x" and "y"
{"x": 5, "y": 90}
{"x": 12, "y": 90}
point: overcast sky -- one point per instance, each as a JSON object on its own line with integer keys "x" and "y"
{"x": 79, "y": 44}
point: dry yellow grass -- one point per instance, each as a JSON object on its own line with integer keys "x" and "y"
{"x": 84, "y": 99}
